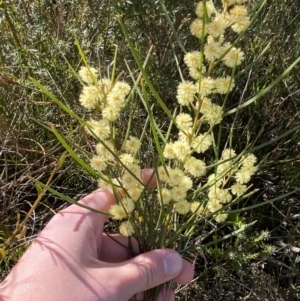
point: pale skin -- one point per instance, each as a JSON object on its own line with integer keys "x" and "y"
{"x": 72, "y": 259}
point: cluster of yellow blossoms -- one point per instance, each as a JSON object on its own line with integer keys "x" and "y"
{"x": 232, "y": 173}
{"x": 228, "y": 182}
{"x": 107, "y": 98}
{"x": 210, "y": 26}
{"x": 182, "y": 164}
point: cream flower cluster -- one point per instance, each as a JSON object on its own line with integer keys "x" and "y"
{"x": 228, "y": 182}
{"x": 211, "y": 25}
{"x": 184, "y": 161}
{"x": 177, "y": 181}
{"x": 231, "y": 175}
{"x": 225, "y": 185}
{"x": 107, "y": 100}
{"x": 130, "y": 183}
{"x": 102, "y": 94}
{"x": 173, "y": 191}
{"x": 234, "y": 16}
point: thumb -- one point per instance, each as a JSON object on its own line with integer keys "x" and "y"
{"x": 148, "y": 270}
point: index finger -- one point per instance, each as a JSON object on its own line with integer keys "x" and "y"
{"x": 102, "y": 199}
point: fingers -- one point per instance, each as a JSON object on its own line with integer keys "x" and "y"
{"x": 166, "y": 294}
{"x": 102, "y": 199}
{"x": 117, "y": 248}
{"x": 84, "y": 222}
{"x": 82, "y": 226}
{"x": 147, "y": 270}
{"x": 149, "y": 178}
{"x": 186, "y": 274}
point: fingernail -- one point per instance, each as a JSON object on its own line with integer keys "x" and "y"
{"x": 172, "y": 264}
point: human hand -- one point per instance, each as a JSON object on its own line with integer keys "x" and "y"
{"x": 73, "y": 260}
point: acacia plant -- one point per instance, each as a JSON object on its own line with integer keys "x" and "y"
{"x": 200, "y": 177}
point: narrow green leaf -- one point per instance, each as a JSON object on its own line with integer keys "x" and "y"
{"x": 253, "y": 149}
{"x": 2, "y": 253}
{"x": 145, "y": 75}
{"x": 265, "y": 90}
{"x": 73, "y": 154}
{"x": 66, "y": 198}
{"x": 61, "y": 160}
{"x": 153, "y": 125}
{"x": 264, "y": 203}
{"x": 57, "y": 101}
{"x": 172, "y": 26}
{"x": 234, "y": 233}
{"x": 249, "y": 66}
{"x": 38, "y": 188}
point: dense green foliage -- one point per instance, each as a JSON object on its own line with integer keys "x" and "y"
{"x": 38, "y": 40}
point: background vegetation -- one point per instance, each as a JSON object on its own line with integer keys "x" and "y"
{"x": 37, "y": 40}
